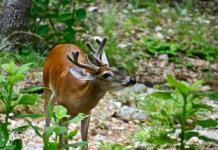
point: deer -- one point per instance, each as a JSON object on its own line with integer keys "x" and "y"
{"x": 77, "y": 82}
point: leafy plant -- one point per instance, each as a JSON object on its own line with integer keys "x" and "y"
{"x": 156, "y": 46}
{"x": 58, "y": 21}
{"x": 27, "y": 55}
{"x": 11, "y": 98}
{"x": 59, "y": 129}
{"x": 108, "y": 146}
{"x": 192, "y": 48}
{"x": 202, "y": 50}
{"x": 175, "y": 114}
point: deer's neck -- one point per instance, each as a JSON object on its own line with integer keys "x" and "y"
{"x": 92, "y": 97}
{"x": 96, "y": 91}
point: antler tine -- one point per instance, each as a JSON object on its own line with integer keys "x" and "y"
{"x": 74, "y": 60}
{"x": 92, "y": 49}
{"x": 101, "y": 46}
{"x": 98, "y": 61}
{"x": 96, "y": 54}
{"x": 88, "y": 61}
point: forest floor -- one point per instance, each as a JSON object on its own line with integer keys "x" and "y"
{"x": 114, "y": 120}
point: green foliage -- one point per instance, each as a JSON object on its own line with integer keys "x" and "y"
{"x": 10, "y": 98}
{"x": 110, "y": 21}
{"x": 116, "y": 54}
{"x": 182, "y": 29}
{"x": 171, "y": 110}
{"x": 203, "y": 50}
{"x": 27, "y": 55}
{"x": 58, "y": 21}
{"x": 59, "y": 115}
{"x": 156, "y": 46}
{"x": 108, "y": 146}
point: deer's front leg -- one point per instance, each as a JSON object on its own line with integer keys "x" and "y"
{"x": 84, "y": 131}
{"x": 63, "y": 141}
{"x": 52, "y": 103}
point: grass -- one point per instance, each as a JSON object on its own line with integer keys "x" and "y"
{"x": 108, "y": 146}
{"x": 159, "y": 28}
{"x": 26, "y": 55}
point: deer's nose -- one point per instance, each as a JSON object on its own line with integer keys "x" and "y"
{"x": 132, "y": 80}
{"x": 129, "y": 81}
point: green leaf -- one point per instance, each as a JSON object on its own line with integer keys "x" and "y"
{"x": 43, "y": 30}
{"x": 75, "y": 145}
{"x": 162, "y": 138}
{"x": 207, "y": 139}
{"x": 28, "y": 99}
{"x": 69, "y": 34}
{"x": 4, "y": 136}
{"x": 78, "y": 118}
{"x": 35, "y": 128}
{"x": 190, "y": 134}
{"x": 32, "y": 89}
{"x": 9, "y": 147}
{"x": 201, "y": 106}
{"x": 11, "y": 67}
{"x": 71, "y": 134}
{"x": 50, "y": 111}
{"x": 33, "y": 116}
{"x": 51, "y": 146}
{"x": 210, "y": 95}
{"x": 196, "y": 86}
{"x": 180, "y": 86}
{"x": 23, "y": 69}
{"x": 15, "y": 78}
{"x": 18, "y": 144}
{"x": 20, "y": 129}
{"x": 81, "y": 13}
{"x": 60, "y": 112}
{"x": 64, "y": 17}
{"x": 60, "y": 130}
{"x": 2, "y": 79}
{"x": 47, "y": 132}
{"x": 207, "y": 123}
{"x": 162, "y": 95}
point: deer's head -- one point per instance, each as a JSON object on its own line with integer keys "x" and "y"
{"x": 99, "y": 72}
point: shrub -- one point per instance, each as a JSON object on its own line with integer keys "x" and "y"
{"x": 58, "y": 114}
{"x": 57, "y": 21}
{"x": 11, "y": 98}
{"x": 176, "y": 113}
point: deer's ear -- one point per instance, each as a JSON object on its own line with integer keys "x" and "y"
{"x": 104, "y": 58}
{"x": 80, "y": 73}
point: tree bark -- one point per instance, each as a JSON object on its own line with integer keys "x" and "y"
{"x": 14, "y": 16}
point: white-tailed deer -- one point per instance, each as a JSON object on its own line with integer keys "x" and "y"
{"x": 77, "y": 83}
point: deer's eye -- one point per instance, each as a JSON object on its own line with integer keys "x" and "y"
{"x": 106, "y": 75}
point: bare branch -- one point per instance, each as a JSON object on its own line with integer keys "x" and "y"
{"x": 6, "y": 41}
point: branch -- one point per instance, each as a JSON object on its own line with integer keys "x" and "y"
{"x": 6, "y": 41}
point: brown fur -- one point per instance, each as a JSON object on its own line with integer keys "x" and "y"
{"x": 76, "y": 95}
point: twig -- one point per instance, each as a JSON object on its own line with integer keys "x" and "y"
{"x": 5, "y": 42}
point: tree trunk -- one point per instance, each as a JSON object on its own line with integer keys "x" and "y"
{"x": 14, "y": 16}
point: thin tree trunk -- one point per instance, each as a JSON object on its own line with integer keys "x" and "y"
{"x": 14, "y": 16}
